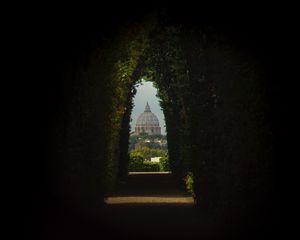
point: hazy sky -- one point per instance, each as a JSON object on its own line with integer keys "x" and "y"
{"x": 147, "y": 93}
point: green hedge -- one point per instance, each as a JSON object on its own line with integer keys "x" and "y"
{"x": 144, "y": 166}
{"x": 137, "y": 164}
{"x": 164, "y": 163}
{"x": 150, "y": 167}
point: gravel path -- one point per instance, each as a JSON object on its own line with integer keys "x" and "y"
{"x": 150, "y": 188}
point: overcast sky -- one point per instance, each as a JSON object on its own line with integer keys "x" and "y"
{"x": 147, "y": 93}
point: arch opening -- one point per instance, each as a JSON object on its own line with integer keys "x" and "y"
{"x": 148, "y": 150}
{"x": 215, "y": 110}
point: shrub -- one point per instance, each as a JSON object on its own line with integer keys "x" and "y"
{"x": 189, "y": 182}
{"x": 164, "y": 163}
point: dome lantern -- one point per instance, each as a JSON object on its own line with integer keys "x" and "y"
{"x": 147, "y": 108}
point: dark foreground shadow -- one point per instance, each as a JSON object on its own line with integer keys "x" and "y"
{"x": 150, "y": 214}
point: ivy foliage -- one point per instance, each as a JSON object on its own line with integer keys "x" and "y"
{"x": 210, "y": 92}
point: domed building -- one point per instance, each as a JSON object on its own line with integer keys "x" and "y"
{"x": 147, "y": 122}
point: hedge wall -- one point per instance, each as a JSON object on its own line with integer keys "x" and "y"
{"x": 214, "y": 104}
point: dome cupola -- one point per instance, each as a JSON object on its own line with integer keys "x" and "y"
{"x": 147, "y": 122}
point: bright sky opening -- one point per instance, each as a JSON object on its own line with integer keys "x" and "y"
{"x": 146, "y": 92}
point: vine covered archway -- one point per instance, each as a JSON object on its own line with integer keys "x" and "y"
{"x": 214, "y": 106}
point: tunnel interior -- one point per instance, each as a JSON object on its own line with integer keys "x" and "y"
{"x": 215, "y": 85}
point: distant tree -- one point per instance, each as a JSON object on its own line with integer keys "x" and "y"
{"x": 147, "y": 153}
{"x": 133, "y": 140}
{"x": 143, "y": 135}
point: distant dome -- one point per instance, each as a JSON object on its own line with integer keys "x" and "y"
{"x": 147, "y": 122}
{"x": 147, "y": 118}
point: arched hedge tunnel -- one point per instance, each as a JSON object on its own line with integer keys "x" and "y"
{"x": 214, "y": 94}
